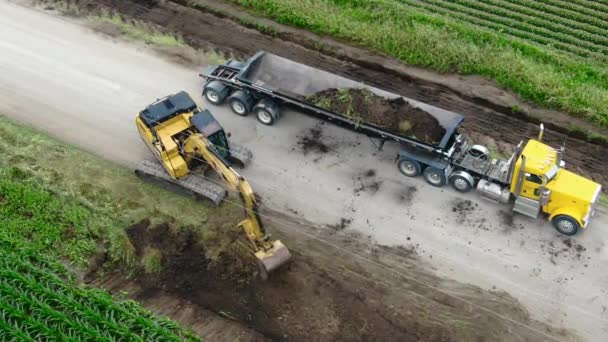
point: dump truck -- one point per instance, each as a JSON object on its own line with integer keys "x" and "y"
{"x": 533, "y": 180}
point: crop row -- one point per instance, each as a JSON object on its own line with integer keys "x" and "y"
{"x": 588, "y": 8}
{"x": 512, "y": 27}
{"x": 569, "y": 27}
{"x": 561, "y": 12}
{"x": 471, "y": 10}
{"x": 541, "y": 11}
{"x": 40, "y": 304}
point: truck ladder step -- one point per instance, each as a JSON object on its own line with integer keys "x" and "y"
{"x": 527, "y": 206}
{"x": 197, "y": 184}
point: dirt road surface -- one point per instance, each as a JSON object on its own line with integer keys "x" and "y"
{"x": 86, "y": 89}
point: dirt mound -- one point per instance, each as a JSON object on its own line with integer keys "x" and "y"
{"x": 395, "y": 115}
{"x": 325, "y": 294}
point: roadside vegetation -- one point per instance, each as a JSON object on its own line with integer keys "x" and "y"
{"x": 60, "y": 206}
{"x": 550, "y": 53}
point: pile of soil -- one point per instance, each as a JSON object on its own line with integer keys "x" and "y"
{"x": 324, "y": 294}
{"x": 395, "y": 115}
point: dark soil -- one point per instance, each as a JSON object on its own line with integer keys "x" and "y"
{"x": 324, "y": 294}
{"x": 312, "y": 141}
{"x": 344, "y": 222}
{"x": 407, "y": 195}
{"x": 367, "y": 182}
{"x": 395, "y": 115}
{"x": 463, "y": 208}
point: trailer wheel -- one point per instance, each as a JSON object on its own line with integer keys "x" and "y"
{"x": 566, "y": 225}
{"x": 408, "y": 167}
{"x": 267, "y": 111}
{"x": 216, "y": 92}
{"x": 461, "y": 183}
{"x": 240, "y": 103}
{"x": 434, "y": 176}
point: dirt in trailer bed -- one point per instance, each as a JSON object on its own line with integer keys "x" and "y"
{"x": 324, "y": 294}
{"x": 395, "y": 115}
{"x": 207, "y": 28}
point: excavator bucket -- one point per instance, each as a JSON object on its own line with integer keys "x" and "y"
{"x": 272, "y": 259}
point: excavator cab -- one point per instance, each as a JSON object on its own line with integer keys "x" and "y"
{"x": 205, "y": 123}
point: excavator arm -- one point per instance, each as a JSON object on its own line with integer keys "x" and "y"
{"x": 270, "y": 254}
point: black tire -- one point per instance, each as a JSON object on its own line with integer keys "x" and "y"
{"x": 461, "y": 184}
{"x": 239, "y": 104}
{"x": 264, "y": 116}
{"x": 409, "y": 167}
{"x": 238, "y": 107}
{"x": 434, "y": 176}
{"x": 566, "y": 225}
{"x": 216, "y": 92}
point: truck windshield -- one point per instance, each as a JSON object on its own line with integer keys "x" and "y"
{"x": 551, "y": 173}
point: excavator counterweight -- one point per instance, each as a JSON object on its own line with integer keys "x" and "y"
{"x": 186, "y": 142}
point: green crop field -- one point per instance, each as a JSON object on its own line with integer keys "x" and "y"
{"x": 549, "y": 52}
{"x": 40, "y": 302}
{"x": 60, "y": 205}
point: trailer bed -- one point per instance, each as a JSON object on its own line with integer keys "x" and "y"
{"x": 297, "y": 82}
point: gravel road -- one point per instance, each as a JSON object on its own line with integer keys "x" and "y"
{"x": 86, "y": 89}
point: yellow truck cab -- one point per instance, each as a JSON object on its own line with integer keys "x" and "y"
{"x": 541, "y": 184}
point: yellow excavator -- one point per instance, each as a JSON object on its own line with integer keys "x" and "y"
{"x": 186, "y": 141}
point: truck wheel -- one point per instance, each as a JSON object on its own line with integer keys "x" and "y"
{"x": 240, "y": 103}
{"x": 408, "y": 167}
{"x": 461, "y": 183}
{"x": 566, "y": 225}
{"x": 434, "y": 176}
{"x": 267, "y": 111}
{"x": 215, "y": 92}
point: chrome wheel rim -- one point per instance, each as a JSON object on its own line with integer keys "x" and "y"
{"x": 461, "y": 184}
{"x": 408, "y": 168}
{"x": 212, "y": 96}
{"x": 433, "y": 177}
{"x": 264, "y": 116}
{"x": 565, "y": 226}
{"x": 238, "y": 107}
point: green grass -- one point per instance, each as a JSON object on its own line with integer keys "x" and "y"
{"x": 100, "y": 198}
{"x": 59, "y": 203}
{"x": 418, "y": 33}
{"x": 139, "y": 31}
{"x": 604, "y": 200}
{"x": 39, "y": 301}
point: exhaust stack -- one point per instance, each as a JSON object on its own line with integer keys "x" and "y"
{"x": 540, "y": 134}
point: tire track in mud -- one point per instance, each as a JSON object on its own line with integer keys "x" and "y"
{"x": 206, "y": 30}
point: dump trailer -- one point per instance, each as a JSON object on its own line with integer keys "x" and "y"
{"x": 533, "y": 180}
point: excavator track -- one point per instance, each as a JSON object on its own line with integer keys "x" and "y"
{"x": 151, "y": 169}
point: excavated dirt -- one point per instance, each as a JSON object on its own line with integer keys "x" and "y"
{"x": 324, "y": 294}
{"x": 395, "y": 115}
{"x": 312, "y": 141}
{"x": 200, "y": 27}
